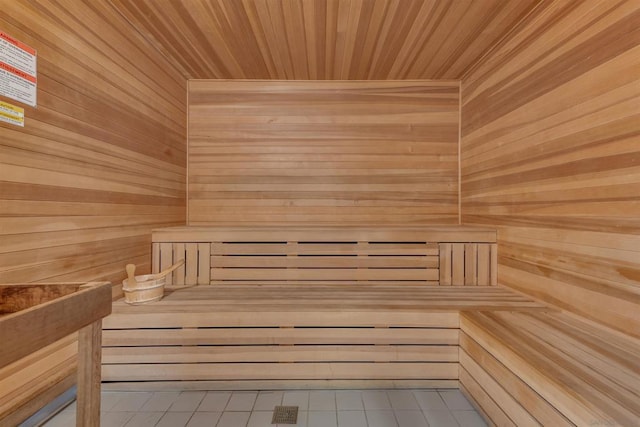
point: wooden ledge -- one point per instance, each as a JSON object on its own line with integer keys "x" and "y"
{"x": 325, "y": 233}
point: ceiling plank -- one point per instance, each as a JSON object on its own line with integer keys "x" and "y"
{"x": 324, "y": 39}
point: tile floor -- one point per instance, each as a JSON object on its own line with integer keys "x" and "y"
{"x": 319, "y": 408}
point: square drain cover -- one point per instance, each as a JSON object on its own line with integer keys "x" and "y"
{"x": 285, "y": 415}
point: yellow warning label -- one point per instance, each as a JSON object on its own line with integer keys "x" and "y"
{"x": 11, "y": 114}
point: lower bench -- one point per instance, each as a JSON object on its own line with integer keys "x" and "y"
{"x": 250, "y": 336}
{"x": 547, "y": 368}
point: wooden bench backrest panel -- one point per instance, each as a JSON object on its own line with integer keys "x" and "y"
{"x": 413, "y": 257}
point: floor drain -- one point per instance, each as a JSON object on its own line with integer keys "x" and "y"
{"x": 285, "y": 415}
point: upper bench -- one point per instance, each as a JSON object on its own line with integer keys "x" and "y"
{"x": 446, "y": 255}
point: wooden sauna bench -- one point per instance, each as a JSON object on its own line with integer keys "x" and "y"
{"x": 281, "y": 307}
{"x": 284, "y": 336}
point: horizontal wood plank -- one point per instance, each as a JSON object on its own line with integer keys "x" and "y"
{"x": 283, "y": 353}
{"x": 274, "y": 371}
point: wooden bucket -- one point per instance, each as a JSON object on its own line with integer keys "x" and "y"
{"x": 144, "y": 291}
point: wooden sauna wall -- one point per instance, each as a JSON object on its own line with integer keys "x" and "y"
{"x": 100, "y": 162}
{"x": 323, "y": 153}
{"x": 551, "y": 156}
{"x": 102, "y": 159}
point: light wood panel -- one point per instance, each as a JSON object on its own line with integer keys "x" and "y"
{"x": 266, "y": 153}
{"x": 100, "y": 162}
{"x": 549, "y": 369}
{"x": 320, "y": 39}
{"x": 550, "y": 149}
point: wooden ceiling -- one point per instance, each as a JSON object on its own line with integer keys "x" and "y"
{"x": 324, "y": 39}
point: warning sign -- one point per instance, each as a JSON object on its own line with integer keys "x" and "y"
{"x": 11, "y": 114}
{"x": 18, "y": 75}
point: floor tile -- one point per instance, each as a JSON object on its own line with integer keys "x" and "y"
{"x": 114, "y": 419}
{"x": 322, "y": 400}
{"x": 160, "y": 401}
{"x": 109, "y": 399}
{"x": 204, "y": 419}
{"x": 323, "y": 419}
{"x": 411, "y": 419}
{"x": 174, "y": 419}
{"x": 241, "y": 401}
{"x": 260, "y": 419}
{"x": 430, "y": 401}
{"x": 267, "y": 400}
{"x": 469, "y": 419}
{"x": 375, "y": 400}
{"x": 131, "y": 402}
{"x": 214, "y": 401}
{"x": 302, "y": 420}
{"x": 62, "y": 419}
{"x": 187, "y": 401}
{"x": 296, "y": 398}
{"x": 349, "y": 400}
{"x": 234, "y": 419}
{"x": 381, "y": 419}
{"x": 352, "y": 419}
{"x": 144, "y": 419}
{"x": 403, "y": 400}
{"x": 440, "y": 418}
{"x": 455, "y": 400}
{"x": 384, "y": 408}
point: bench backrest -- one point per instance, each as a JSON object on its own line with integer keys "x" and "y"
{"x": 439, "y": 256}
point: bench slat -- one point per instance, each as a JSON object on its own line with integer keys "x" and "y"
{"x": 271, "y": 371}
{"x": 291, "y": 353}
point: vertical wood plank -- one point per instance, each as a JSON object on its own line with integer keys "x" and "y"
{"x": 155, "y": 257}
{"x": 191, "y": 264}
{"x": 494, "y": 264}
{"x": 457, "y": 263}
{"x": 166, "y": 259}
{"x": 470, "y": 264}
{"x": 484, "y": 267}
{"x": 179, "y": 251}
{"x": 204, "y": 263}
{"x": 89, "y": 375}
{"x": 445, "y": 263}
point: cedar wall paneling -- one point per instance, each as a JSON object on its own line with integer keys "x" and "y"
{"x": 323, "y": 153}
{"x": 100, "y": 162}
{"x": 551, "y": 156}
